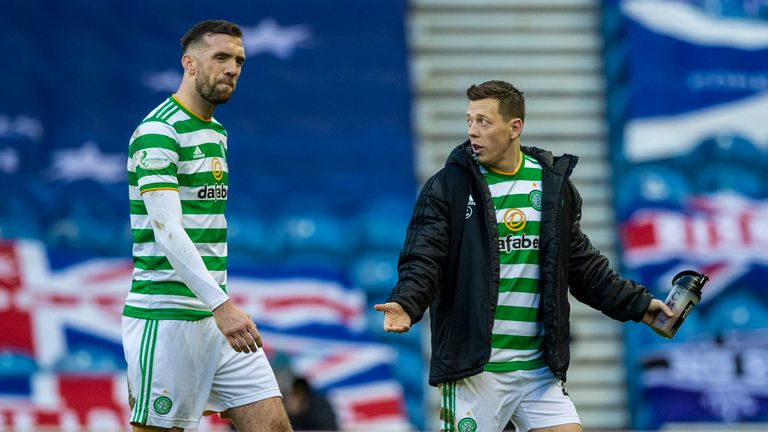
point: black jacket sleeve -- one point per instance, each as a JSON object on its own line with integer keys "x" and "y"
{"x": 423, "y": 256}
{"x": 594, "y": 283}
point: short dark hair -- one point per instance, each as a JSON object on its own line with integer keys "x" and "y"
{"x": 211, "y": 26}
{"x": 511, "y": 100}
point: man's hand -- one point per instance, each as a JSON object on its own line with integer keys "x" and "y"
{"x": 395, "y": 318}
{"x": 237, "y": 327}
{"x": 654, "y": 308}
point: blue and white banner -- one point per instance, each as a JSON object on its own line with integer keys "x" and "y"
{"x": 690, "y": 155}
{"x": 692, "y": 77}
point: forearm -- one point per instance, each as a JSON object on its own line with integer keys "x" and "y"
{"x": 417, "y": 287}
{"x": 595, "y": 283}
{"x": 164, "y": 211}
{"x": 424, "y": 252}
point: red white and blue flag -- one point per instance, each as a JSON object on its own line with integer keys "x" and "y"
{"x": 61, "y": 360}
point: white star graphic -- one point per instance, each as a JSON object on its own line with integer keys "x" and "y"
{"x": 88, "y": 162}
{"x": 269, "y": 37}
{"x": 163, "y": 81}
{"x": 9, "y": 161}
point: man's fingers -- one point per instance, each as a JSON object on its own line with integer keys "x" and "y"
{"x": 233, "y": 343}
{"x": 396, "y": 328}
{"x": 249, "y": 345}
{"x": 382, "y": 307}
{"x": 254, "y": 334}
{"x": 252, "y": 345}
{"x": 661, "y": 306}
{"x": 238, "y": 328}
{"x": 248, "y": 340}
{"x": 667, "y": 310}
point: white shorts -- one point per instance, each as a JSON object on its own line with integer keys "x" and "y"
{"x": 179, "y": 369}
{"x": 488, "y": 401}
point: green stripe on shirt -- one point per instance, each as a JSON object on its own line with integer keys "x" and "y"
{"x": 197, "y": 235}
{"x": 212, "y": 263}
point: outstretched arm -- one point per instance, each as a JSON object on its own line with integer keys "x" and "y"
{"x": 164, "y": 210}
{"x": 421, "y": 261}
{"x": 595, "y": 283}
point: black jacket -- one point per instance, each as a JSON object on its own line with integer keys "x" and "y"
{"x": 450, "y": 263}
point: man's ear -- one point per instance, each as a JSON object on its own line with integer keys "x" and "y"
{"x": 515, "y": 128}
{"x": 189, "y": 64}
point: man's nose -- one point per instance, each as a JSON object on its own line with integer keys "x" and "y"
{"x": 232, "y": 69}
{"x": 473, "y": 129}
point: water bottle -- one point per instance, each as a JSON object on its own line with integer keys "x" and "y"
{"x": 685, "y": 294}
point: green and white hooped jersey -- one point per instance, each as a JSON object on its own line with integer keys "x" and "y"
{"x": 173, "y": 149}
{"x": 517, "y": 328}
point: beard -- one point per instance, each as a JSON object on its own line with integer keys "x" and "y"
{"x": 211, "y": 93}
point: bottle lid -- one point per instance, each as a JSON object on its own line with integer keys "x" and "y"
{"x": 690, "y": 280}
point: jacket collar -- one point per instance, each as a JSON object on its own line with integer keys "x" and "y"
{"x": 562, "y": 165}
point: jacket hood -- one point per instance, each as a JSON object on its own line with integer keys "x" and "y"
{"x": 462, "y": 156}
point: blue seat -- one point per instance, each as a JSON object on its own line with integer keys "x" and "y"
{"x": 318, "y": 264}
{"x": 249, "y": 236}
{"x": 24, "y": 153}
{"x": 61, "y": 233}
{"x": 375, "y": 327}
{"x": 375, "y": 273}
{"x": 384, "y": 223}
{"x": 88, "y": 360}
{"x": 655, "y": 186}
{"x": 316, "y": 232}
{"x": 724, "y": 177}
{"x": 94, "y": 219}
{"x": 410, "y": 369}
{"x": 14, "y": 364}
{"x": 410, "y": 372}
{"x": 737, "y": 311}
{"x": 20, "y": 216}
{"x": 415, "y": 407}
{"x": 102, "y": 237}
{"x": 728, "y": 148}
{"x": 90, "y": 235}
{"x": 40, "y": 200}
{"x": 13, "y": 227}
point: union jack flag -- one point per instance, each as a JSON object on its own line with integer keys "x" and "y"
{"x": 52, "y": 322}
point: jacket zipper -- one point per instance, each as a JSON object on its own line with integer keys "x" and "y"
{"x": 490, "y": 229}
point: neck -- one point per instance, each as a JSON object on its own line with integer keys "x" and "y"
{"x": 194, "y": 102}
{"x": 511, "y": 163}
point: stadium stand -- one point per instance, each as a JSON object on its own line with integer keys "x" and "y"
{"x": 739, "y": 310}
{"x": 734, "y": 178}
{"x": 656, "y": 186}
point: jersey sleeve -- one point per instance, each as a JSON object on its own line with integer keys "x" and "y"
{"x": 165, "y": 206}
{"x": 154, "y": 157}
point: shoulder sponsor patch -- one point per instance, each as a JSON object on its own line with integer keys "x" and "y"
{"x": 151, "y": 159}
